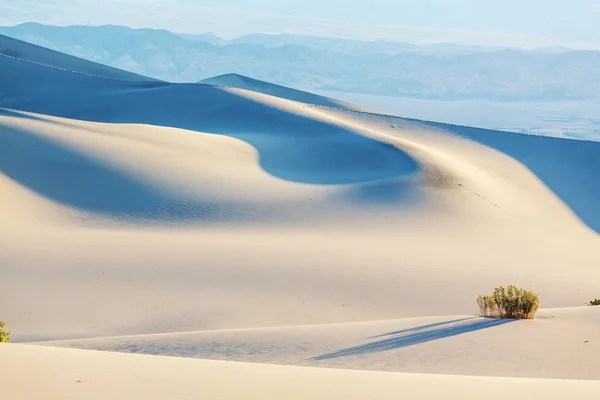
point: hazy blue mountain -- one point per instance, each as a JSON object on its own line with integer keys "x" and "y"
{"x": 440, "y": 71}
{"x": 207, "y": 37}
{"x": 358, "y": 47}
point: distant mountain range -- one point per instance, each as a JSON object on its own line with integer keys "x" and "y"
{"x": 441, "y": 71}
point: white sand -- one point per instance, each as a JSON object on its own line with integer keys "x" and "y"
{"x": 461, "y": 344}
{"x": 134, "y": 208}
{"x": 45, "y": 372}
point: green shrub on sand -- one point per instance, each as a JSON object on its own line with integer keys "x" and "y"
{"x": 510, "y": 302}
{"x": 4, "y": 334}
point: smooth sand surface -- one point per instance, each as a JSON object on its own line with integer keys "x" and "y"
{"x": 281, "y": 231}
{"x": 45, "y": 372}
{"x": 31, "y": 53}
{"x": 461, "y": 344}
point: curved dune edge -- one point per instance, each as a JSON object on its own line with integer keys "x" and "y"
{"x": 75, "y": 374}
{"x": 494, "y": 176}
{"x": 497, "y": 182}
{"x": 469, "y": 176}
{"x": 174, "y": 175}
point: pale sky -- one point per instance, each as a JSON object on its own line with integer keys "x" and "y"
{"x": 527, "y": 23}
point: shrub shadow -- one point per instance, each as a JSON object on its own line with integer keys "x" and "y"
{"x": 418, "y": 335}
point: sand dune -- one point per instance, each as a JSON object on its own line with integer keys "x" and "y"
{"x": 316, "y": 145}
{"x": 254, "y": 85}
{"x": 281, "y": 227}
{"x": 26, "y": 52}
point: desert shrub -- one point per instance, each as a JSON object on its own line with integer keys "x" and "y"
{"x": 595, "y": 302}
{"x": 510, "y": 302}
{"x": 4, "y": 334}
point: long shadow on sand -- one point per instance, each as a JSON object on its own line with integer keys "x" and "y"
{"x": 417, "y": 335}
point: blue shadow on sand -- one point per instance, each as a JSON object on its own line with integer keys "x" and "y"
{"x": 567, "y": 167}
{"x": 78, "y": 180}
{"x": 291, "y": 146}
{"x": 417, "y": 335}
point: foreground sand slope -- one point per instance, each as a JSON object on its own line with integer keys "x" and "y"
{"x": 559, "y": 343}
{"x": 32, "y": 372}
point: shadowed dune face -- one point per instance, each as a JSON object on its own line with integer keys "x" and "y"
{"x": 39, "y": 55}
{"x": 76, "y": 180}
{"x": 63, "y": 173}
{"x": 339, "y": 157}
{"x": 291, "y": 146}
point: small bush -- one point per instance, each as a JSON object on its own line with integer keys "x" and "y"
{"x": 510, "y": 302}
{"x": 595, "y": 302}
{"x": 4, "y": 334}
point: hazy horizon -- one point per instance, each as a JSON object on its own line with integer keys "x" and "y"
{"x": 512, "y": 23}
